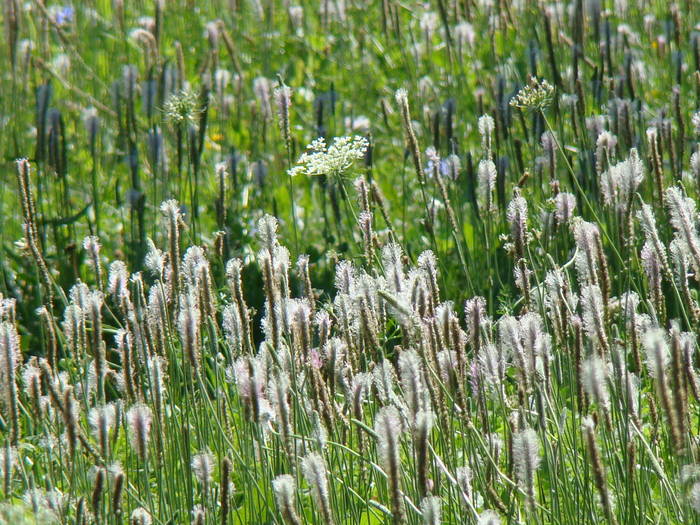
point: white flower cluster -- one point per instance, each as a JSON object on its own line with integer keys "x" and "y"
{"x": 333, "y": 160}
{"x": 536, "y": 95}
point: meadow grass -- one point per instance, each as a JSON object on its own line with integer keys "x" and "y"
{"x": 350, "y": 262}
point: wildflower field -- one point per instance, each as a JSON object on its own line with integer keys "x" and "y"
{"x": 350, "y": 262}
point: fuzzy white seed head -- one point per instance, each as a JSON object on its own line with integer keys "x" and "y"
{"x": 486, "y": 125}
{"x": 118, "y": 280}
{"x": 592, "y": 306}
{"x": 489, "y": 517}
{"x": 464, "y": 476}
{"x": 388, "y": 428}
{"x": 683, "y": 216}
{"x": 284, "y": 488}
{"x": 155, "y": 260}
{"x": 565, "y": 204}
{"x": 267, "y": 232}
{"x": 171, "y": 209}
{"x": 695, "y": 163}
{"x": 657, "y": 352}
{"x": 695, "y": 120}
{"x": 233, "y": 328}
{"x": 314, "y": 469}
{"x": 694, "y": 497}
{"x": 102, "y": 418}
{"x": 401, "y": 96}
{"x": 431, "y": 510}
{"x": 516, "y": 212}
{"x": 139, "y": 418}
{"x": 526, "y": 457}
{"x": 91, "y": 244}
{"x": 594, "y": 378}
{"x": 203, "y": 467}
{"x": 8, "y": 461}
{"x": 384, "y": 379}
{"x": 412, "y": 381}
{"x": 486, "y": 180}
{"x": 140, "y": 516}
{"x": 283, "y": 100}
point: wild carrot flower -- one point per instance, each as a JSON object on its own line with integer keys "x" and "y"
{"x": 334, "y": 160}
{"x": 536, "y": 95}
{"x": 182, "y": 108}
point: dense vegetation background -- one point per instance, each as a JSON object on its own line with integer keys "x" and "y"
{"x": 349, "y": 262}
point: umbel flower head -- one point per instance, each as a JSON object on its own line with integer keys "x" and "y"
{"x": 333, "y": 160}
{"x": 536, "y": 95}
{"x": 181, "y": 107}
